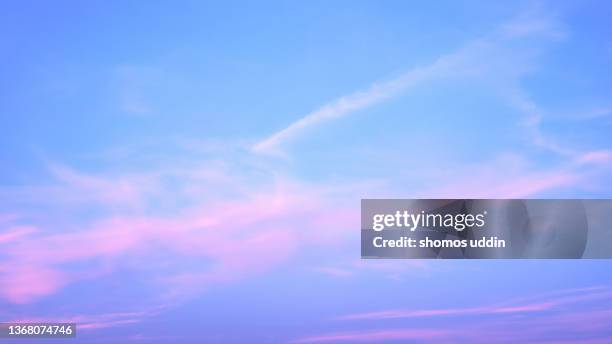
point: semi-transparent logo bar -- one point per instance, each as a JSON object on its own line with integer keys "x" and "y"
{"x": 486, "y": 228}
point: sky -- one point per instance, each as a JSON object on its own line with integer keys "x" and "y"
{"x": 192, "y": 171}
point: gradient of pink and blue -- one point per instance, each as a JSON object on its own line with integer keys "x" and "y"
{"x": 192, "y": 171}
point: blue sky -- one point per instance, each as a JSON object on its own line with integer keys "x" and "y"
{"x": 192, "y": 171}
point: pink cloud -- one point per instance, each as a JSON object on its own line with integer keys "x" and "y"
{"x": 107, "y": 324}
{"x": 571, "y": 327}
{"x": 548, "y": 303}
{"x": 595, "y": 157}
{"x": 533, "y": 184}
{"x": 22, "y": 284}
{"x": 15, "y": 233}
{"x": 96, "y": 321}
{"x": 508, "y": 176}
{"x": 529, "y": 322}
{"x": 392, "y": 269}
{"x": 239, "y": 237}
{"x": 377, "y": 336}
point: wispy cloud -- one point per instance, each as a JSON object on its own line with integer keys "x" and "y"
{"x": 602, "y": 157}
{"x": 269, "y": 223}
{"x": 420, "y": 335}
{"x": 97, "y": 321}
{"x": 490, "y": 54}
{"x": 537, "y": 318}
{"x": 510, "y": 307}
{"x": 345, "y": 105}
{"x": 15, "y": 233}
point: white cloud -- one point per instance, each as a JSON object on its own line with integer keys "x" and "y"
{"x": 493, "y": 55}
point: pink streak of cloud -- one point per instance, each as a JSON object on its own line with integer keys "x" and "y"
{"x": 107, "y": 324}
{"x": 96, "y": 321}
{"x": 530, "y": 185}
{"x": 376, "y": 336}
{"x": 526, "y": 323}
{"x": 595, "y": 157}
{"x": 505, "y": 177}
{"x": 507, "y": 308}
{"x": 16, "y": 233}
